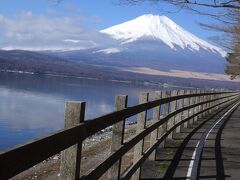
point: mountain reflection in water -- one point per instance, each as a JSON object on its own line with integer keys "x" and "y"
{"x": 32, "y": 106}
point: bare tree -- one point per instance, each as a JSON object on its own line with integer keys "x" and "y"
{"x": 233, "y": 68}
{"x": 229, "y": 4}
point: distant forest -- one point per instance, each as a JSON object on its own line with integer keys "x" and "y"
{"x": 42, "y": 64}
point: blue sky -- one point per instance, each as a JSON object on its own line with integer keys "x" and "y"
{"x": 98, "y": 14}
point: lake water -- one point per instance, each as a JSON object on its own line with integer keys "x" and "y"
{"x": 33, "y": 106}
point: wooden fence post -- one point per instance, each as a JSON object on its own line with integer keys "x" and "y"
{"x": 220, "y": 100}
{"x": 215, "y": 102}
{"x": 171, "y": 121}
{"x": 186, "y": 103}
{"x": 156, "y": 117}
{"x": 180, "y": 104}
{"x": 163, "y": 127}
{"x": 191, "y": 111}
{"x": 71, "y": 157}
{"x": 141, "y": 123}
{"x": 201, "y": 106}
{"x": 211, "y": 103}
{"x": 223, "y": 96}
{"x": 208, "y": 104}
{"x": 117, "y": 136}
{"x": 205, "y": 105}
{"x": 197, "y": 108}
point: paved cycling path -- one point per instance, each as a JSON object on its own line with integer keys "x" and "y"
{"x": 210, "y": 149}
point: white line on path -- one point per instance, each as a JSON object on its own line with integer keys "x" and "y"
{"x": 203, "y": 139}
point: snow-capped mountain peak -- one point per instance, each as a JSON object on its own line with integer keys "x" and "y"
{"x": 159, "y": 28}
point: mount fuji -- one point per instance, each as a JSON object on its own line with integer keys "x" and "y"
{"x": 155, "y": 45}
{"x": 159, "y": 28}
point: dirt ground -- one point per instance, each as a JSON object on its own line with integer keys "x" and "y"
{"x": 95, "y": 151}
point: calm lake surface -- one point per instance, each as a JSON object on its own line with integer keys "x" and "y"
{"x": 32, "y": 106}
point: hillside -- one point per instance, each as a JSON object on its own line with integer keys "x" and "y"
{"x": 41, "y": 63}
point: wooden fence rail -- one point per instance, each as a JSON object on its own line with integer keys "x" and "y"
{"x": 171, "y": 112}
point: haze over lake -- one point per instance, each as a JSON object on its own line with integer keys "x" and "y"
{"x": 33, "y": 106}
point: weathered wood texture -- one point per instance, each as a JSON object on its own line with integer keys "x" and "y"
{"x": 192, "y": 101}
{"x": 173, "y": 106}
{"x": 166, "y": 111}
{"x": 186, "y": 103}
{"x": 117, "y": 136}
{"x": 156, "y": 118}
{"x": 201, "y": 106}
{"x": 141, "y": 122}
{"x": 198, "y": 100}
{"x": 179, "y": 117}
{"x": 71, "y": 157}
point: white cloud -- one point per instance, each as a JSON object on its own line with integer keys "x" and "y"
{"x": 40, "y": 32}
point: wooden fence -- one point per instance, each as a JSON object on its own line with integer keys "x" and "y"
{"x": 172, "y": 110}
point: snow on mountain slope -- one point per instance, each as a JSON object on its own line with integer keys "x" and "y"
{"x": 108, "y": 50}
{"x": 159, "y": 28}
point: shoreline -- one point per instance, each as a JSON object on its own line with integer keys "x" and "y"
{"x": 143, "y": 83}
